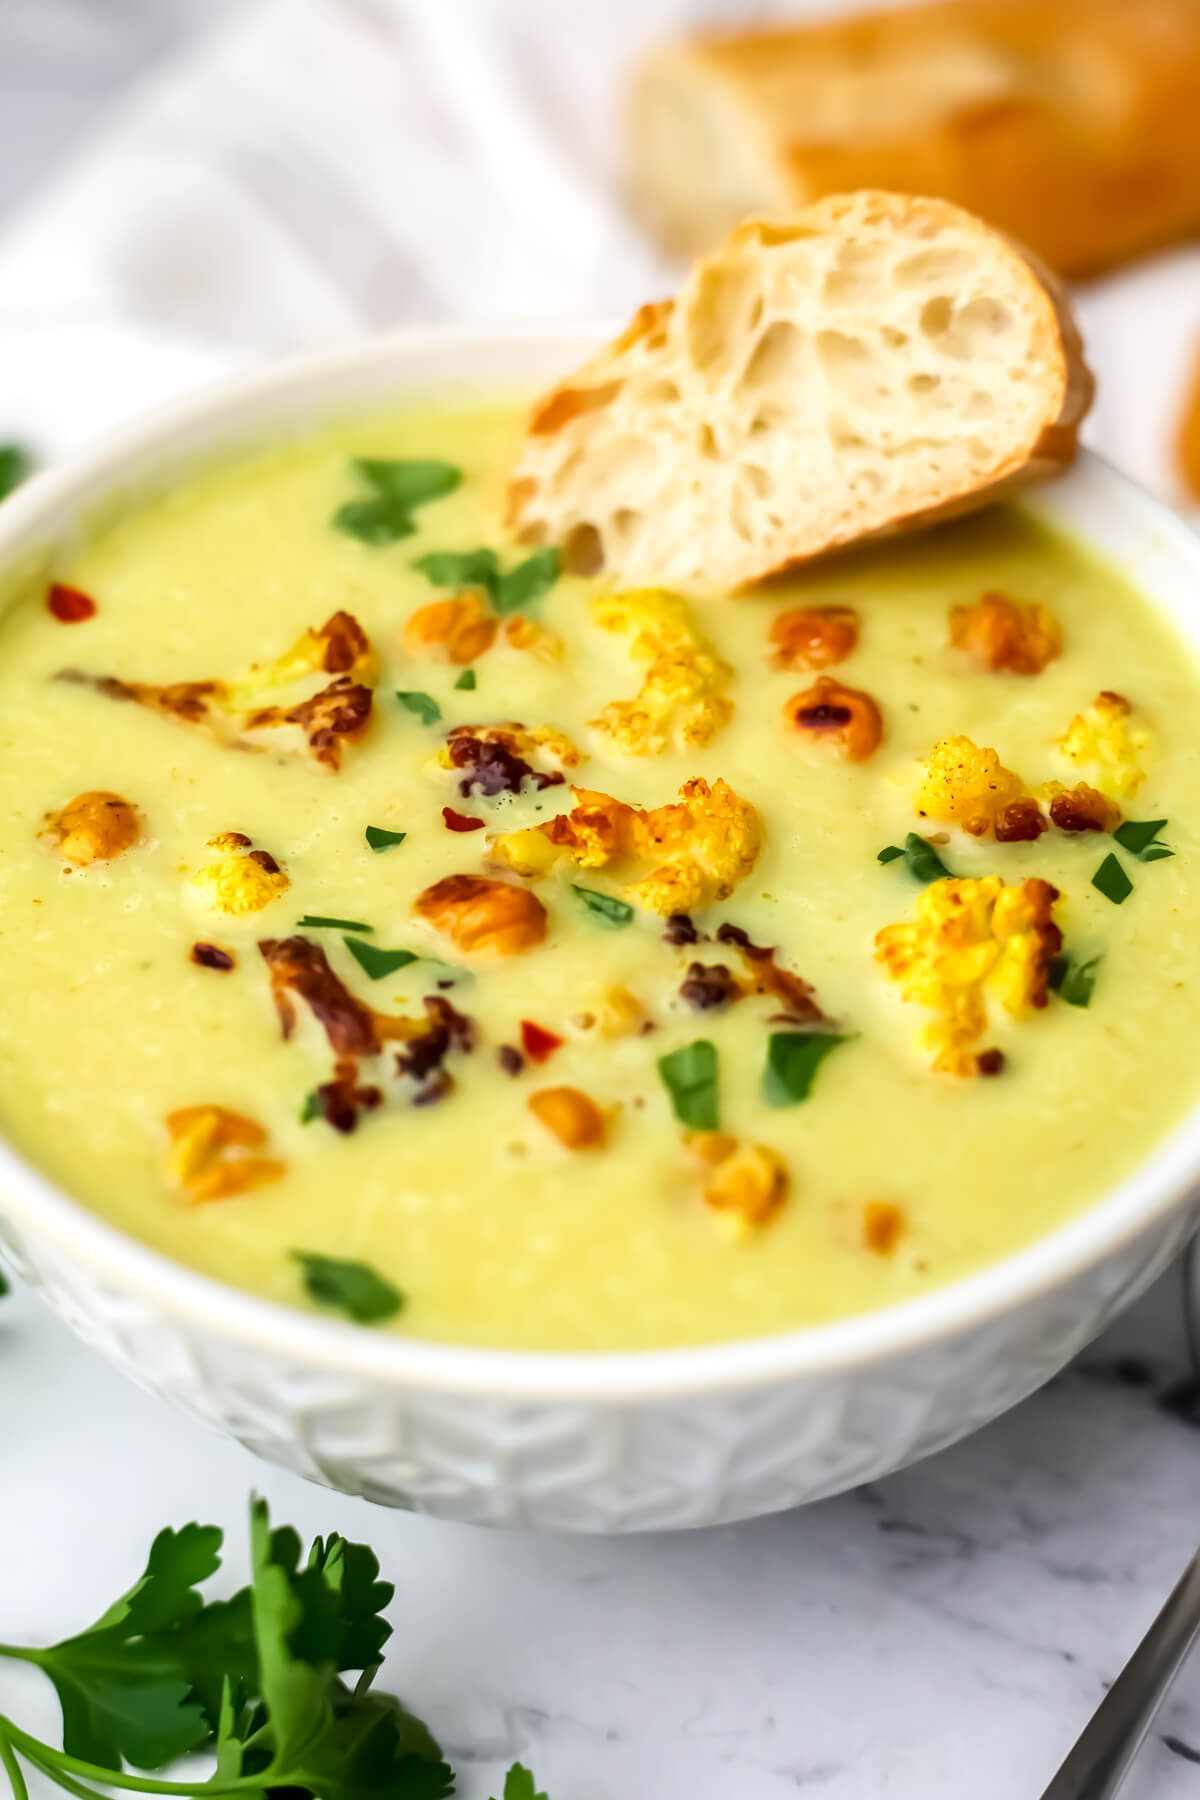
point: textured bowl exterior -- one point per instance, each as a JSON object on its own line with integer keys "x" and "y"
{"x": 632, "y": 1441}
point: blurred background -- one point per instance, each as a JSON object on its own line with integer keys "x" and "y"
{"x": 187, "y": 184}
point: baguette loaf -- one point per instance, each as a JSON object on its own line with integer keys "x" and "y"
{"x": 1072, "y": 124}
{"x": 867, "y": 366}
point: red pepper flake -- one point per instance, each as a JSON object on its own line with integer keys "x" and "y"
{"x": 456, "y": 821}
{"x": 69, "y": 605}
{"x": 211, "y": 956}
{"x": 537, "y": 1041}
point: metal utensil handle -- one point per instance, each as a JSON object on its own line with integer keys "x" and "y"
{"x": 1097, "y": 1765}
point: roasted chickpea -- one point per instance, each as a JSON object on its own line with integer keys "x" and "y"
{"x": 845, "y": 718}
{"x": 94, "y": 827}
{"x": 574, "y": 1118}
{"x": 456, "y": 630}
{"x": 1000, "y": 634}
{"x": 1084, "y": 808}
{"x": 750, "y": 1185}
{"x": 477, "y": 912}
{"x": 813, "y": 637}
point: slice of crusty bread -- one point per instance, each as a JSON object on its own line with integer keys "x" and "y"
{"x": 866, "y": 366}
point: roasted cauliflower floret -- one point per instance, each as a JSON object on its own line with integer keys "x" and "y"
{"x": 968, "y": 939}
{"x": 840, "y": 719}
{"x": 999, "y": 633}
{"x": 338, "y": 647}
{"x": 211, "y": 1155}
{"x": 455, "y": 631}
{"x": 501, "y": 758}
{"x": 1107, "y": 746}
{"x": 683, "y": 692}
{"x": 703, "y": 844}
{"x": 748, "y": 1183}
{"x": 479, "y": 913}
{"x": 966, "y": 786}
{"x": 93, "y": 827}
{"x": 245, "y": 880}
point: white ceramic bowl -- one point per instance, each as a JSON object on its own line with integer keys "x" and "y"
{"x": 622, "y": 1442}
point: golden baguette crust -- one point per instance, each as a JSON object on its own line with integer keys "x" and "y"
{"x": 1074, "y": 125}
{"x": 868, "y": 366}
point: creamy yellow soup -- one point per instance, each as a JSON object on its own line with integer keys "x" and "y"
{"x": 887, "y": 1177}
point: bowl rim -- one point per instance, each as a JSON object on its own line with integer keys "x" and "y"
{"x": 1153, "y": 1189}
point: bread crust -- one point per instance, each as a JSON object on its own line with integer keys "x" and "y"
{"x": 660, "y": 339}
{"x": 1075, "y": 126}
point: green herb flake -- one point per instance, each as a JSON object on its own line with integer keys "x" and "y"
{"x": 528, "y": 581}
{"x": 890, "y": 853}
{"x": 411, "y": 482}
{"x": 466, "y": 680}
{"x": 3, "y": 1284}
{"x": 311, "y": 1108}
{"x": 923, "y": 860}
{"x": 379, "y": 839}
{"x": 1138, "y": 837}
{"x": 689, "y": 1075}
{"x": 1074, "y": 981}
{"x": 319, "y": 922}
{"x": 376, "y": 962}
{"x": 461, "y": 569}
{"x": 1112, "y": 881}
{"x": 424, "y": 706}
{"x": 520, "y": 1785}
{"x": 605, "y": 908}
{"x": 15, "y": 465}
{"x": 374, "y": 521}
{"x": 793, "y": 1058}
{"x": 353, "y": 1287}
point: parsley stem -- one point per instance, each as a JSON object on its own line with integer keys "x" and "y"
{"x": 57, "y": 1763}
{"x": 12, "y": 1768}
{"x": 20, "y": 1653}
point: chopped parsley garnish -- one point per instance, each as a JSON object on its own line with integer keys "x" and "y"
{"x": 3, "y": 1284}
{"x": 1138, "y": 837}
{"x": 507, "y": 590}
{"x": 399, "y": 487}
{"x": 466, "y": 680}
{"x": 376, "y": 962}
{"x": 689, "y": 1075}
{"x": 793, "y": 1058}
{"x": 320, "y": 923}
{"x": 15, "y": 465}
{"x": 353, "y": 1287}
{"x": 604, "y": 908}
{"x": 1112, "y": 881}
{"x": 311, "y": 1108}
{"x": 424, "y": 705}
{"x": 274, "y": 1685}
{"x": 922, "y": 859}
{"x": 1073, "y": 980}
{"x": 379, "y": 839}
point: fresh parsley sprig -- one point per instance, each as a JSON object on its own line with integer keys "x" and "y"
{"x": 921, "y": 858}
{"x": 397, "y": 487}
{"x": 257, "y": 1681}
{"x": 509, "y": 589}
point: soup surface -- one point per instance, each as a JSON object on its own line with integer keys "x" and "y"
{"x": 580, "y": 1114}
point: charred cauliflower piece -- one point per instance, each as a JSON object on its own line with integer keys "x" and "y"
{"x": 703, "y": 844}
{"x": 969, "y": 939}
{"x": 478, "y": 913}
{"x": 245, "y": 880}
{"x": 682, "y": 696}
{"x": 455, "y": 630}
{"x": 1107, "y": 746}
{"x": 999, "y": 633}
{"x": 966, "y": 786}
{"x": 339, "y": 647}
{"x": 93, "y": 827}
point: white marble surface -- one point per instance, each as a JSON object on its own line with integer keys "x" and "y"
{"x": 941, "y": 1637}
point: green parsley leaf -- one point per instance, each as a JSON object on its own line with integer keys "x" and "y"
{"x": 1112, "y": 881}
{"x": 1138, "y": 835}
{"x": 353, "y": 1286}
{"x": 890, "y": 853}
{"x": 519, "y": 1785}
{"x": 461, "y": 569}
{"x": 919, "y": 854}
{"x": 311, "y": 1108}
{"x": 466, "y": 680}
{"x": 605, "y": 908}
{"x": 528, "y": 581}
{"x": 3, "y": 1284}
{"x": 689, "y": 1075}
{"x": 793, "y": 1058}
{"x": 1074, "y": 980}
{"x": 15, "y": 465}
{"x": 319, "y": 922}
{"x": 379, "y": 521}
{"x": 411, "y": 481}
{"x": 377, "y": 962}
{"x": 379, "y": 839}
{"x": 424, "y": 705}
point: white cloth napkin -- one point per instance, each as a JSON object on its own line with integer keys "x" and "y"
{"x": 326, "y": 167}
